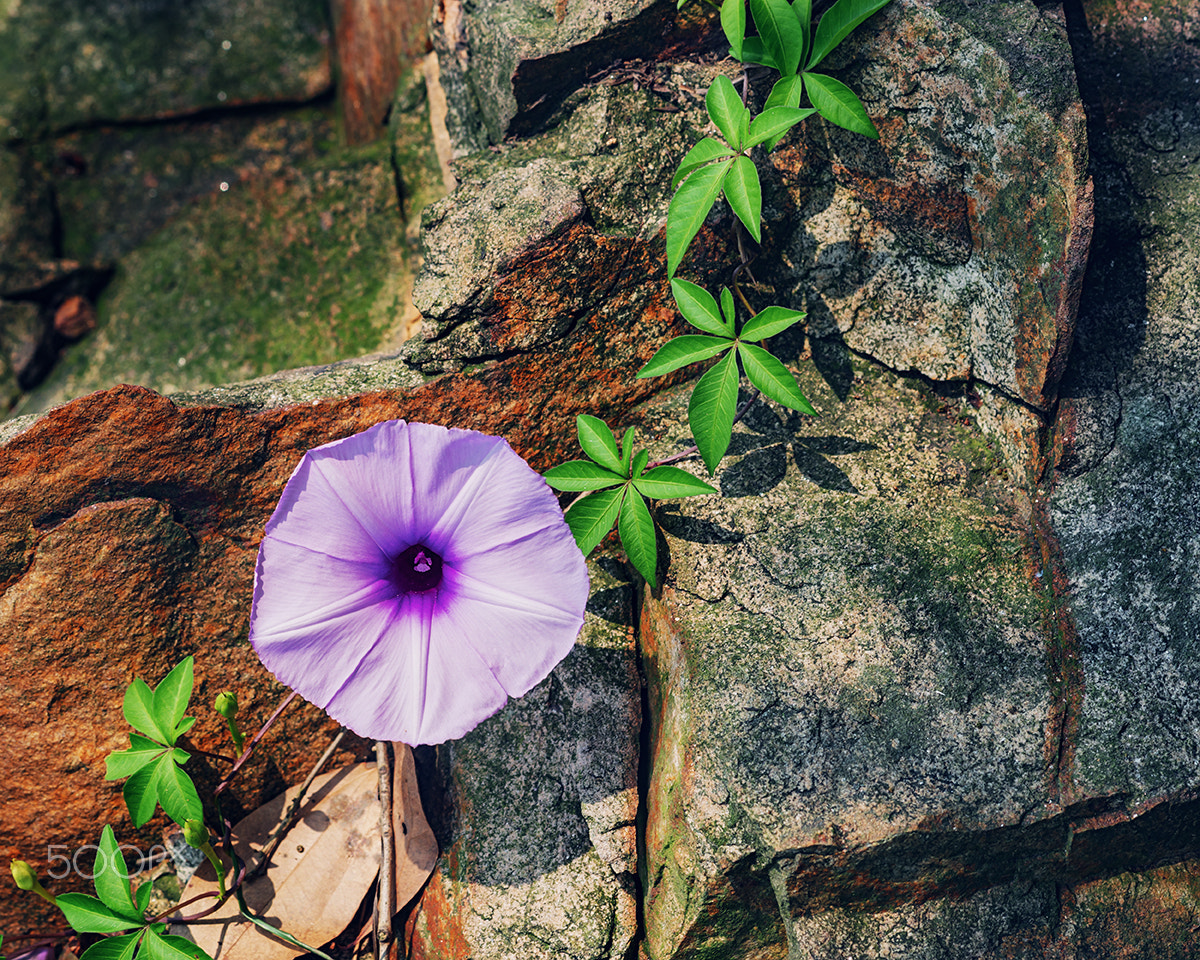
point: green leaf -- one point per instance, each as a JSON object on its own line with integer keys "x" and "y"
{"x": 124, "y": 763}
{"x": 781, "y": 33}
{"x": 690, "y": 348}
{"x": 690, "y": 205}
{"x": 171, "y": 698}
{"x": 139, "y": 710}
{"x": 787, "y": 92}
{"x": 803, "y": 11}
{"x": 699, "y": 308}
{"x": 142, "y": 897}
{"x": 591, "y": 517}
{"x": 744, "y": 194}
{"x": 773, "y": 378}
{"x": 664, "y": 482}
{"x": 111, "y": 878}
{"x": 837, "y": 22}
{"x": 165, "y": 947}
{"x": 705, "y": 152}
{"x": 639, "y": 463}
{"x": 766, "y": 323}
{"x": 141, "y": 792}
{"x": 753, "y": 51}
{"x": 838, "y": 104}
{"x": 712, "y": 408}
{"x": 728, "y": 310}
{"x": 773, "y": 123}
{"x": 114, "y": 948}
{"x": 184, "y": 726}
{"x": 733, "y": 22}
{"x": 726, "y": 109}
{"x": 636, "y": 528}
{"x": 626, "y": 451}
{"x": 581, "y": 475}
{"x": 176, "y": 793}
{"x": 88, "y": 915}
{"x": 598, "y": 442}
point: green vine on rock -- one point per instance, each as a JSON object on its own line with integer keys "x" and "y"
{"x": 617, "y": 484}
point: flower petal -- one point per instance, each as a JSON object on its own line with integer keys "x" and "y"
{"x": 312, "y": 513}
{"x": 424, "y": 661}
{"x": 316, "y": 660}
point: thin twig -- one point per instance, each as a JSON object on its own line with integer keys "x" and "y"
{"x": 288, "y": 820}
{"x": 253, "y": 743}
{"x": 385, "y": 898}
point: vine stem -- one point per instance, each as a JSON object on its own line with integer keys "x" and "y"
{"x": 693, "y": 449}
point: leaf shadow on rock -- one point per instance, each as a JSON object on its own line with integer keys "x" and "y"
{"x": 612, "y": 605}
{"x": 763, "y": 451}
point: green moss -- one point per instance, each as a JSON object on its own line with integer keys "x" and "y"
{"x": 276, "y": 273}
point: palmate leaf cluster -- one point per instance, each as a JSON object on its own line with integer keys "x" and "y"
{"x": 152, "y": 762}
{"x": 785, "y": 42}
{"x": 618, "y": 485}
{"x": 115, "y": 910}
{"x": 712, "y": 407}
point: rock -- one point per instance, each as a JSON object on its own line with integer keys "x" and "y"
{"x": 847, "y": 673}
{"x": 1124, "y": 502}
{"x": 75, "y": 317}
{"x": 26, "y": 212}
{"x": 541, "y": 861}
{"x": 374, "y": 42}
{"x": 115, "y": 187}
{"x": 21, "y": 333}
{"x": 297, "y": 267}
{"x": 68, "y": 63}
{"x": 953, "y": 246}
{"x": 507, "y": 66}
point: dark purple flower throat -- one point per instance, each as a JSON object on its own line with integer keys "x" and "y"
{"x": 418, "y": 568}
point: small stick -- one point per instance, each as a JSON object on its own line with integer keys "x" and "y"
{"x": 288, "y": 820}
{"x": 385, "y": 905}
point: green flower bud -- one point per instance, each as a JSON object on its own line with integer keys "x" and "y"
{"x": 24, "y": 875}
{"x": 195, "y": 833}
{"x": 226, "y": 704}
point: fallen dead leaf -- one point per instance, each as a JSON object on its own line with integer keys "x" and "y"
{"x": 317, "y": 877}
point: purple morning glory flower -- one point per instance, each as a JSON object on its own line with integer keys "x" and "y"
{"x": 414, "y": 577}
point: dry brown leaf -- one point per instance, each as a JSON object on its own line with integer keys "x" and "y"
{"x": 415, "y": 846}
{"x": 317, "y": 877}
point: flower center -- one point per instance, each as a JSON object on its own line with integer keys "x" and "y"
{"x": 417, "y": 568}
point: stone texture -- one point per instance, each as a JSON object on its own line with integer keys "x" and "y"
{"x": 1127, "y": 494}
{"x": 295, "y": 267}
{"x": 507, "y": 66}
{"x": 540, "y": 858}
{"x": 847, "y": 673}
{"x": 115, "y": 187}
{"x": 375, "y": 40}
{"x": 953, "y": 246}
{"x": 67, "y": 63}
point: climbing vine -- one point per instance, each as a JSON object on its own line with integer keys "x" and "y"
{"x": 617, "y": 483}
